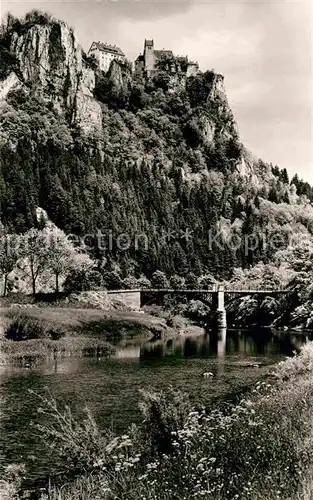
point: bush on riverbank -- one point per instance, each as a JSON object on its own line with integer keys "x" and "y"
{"x": 260, "y": 448}
{"x": 297, "y": 365}
{"x": 21, "y": 326}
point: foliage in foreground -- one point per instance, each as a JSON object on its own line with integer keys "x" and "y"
{"x": 259, "y": 448}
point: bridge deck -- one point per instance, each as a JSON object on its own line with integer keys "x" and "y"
{"x": 204, "y": 290}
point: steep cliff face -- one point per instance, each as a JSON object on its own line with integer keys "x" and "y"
{"x": 226, "y": 127}
{"x": 49, "y": 56}
{"x": 120, "y": 74}
{"x": 50, "y": 59}
{"x": 207, "y": 94}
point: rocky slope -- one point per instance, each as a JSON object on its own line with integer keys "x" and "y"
{"x": 50, "y": 60}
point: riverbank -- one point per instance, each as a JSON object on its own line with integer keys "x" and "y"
{"x": 259, "y": 448}
{"x": 30, "y": 335}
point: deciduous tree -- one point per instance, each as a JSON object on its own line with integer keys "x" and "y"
{"x": 10, "y": 252}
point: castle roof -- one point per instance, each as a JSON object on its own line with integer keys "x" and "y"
{"x": 161, "y": 53}
{"x": 106, "y": 47}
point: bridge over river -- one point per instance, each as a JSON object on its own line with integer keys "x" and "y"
{"x": 217, "y": 293}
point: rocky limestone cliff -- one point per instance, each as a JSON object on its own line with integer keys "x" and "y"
{"x": 219, "y": 122}
{"x": 12, "y": 82}
{"x": 120, "y": 74}
{"x": 218, "y": 88}
{"x": 50, "y": 58}
{"x": 51, "y": 61}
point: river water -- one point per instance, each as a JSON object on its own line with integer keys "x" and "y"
{"x": 110, "y": 387}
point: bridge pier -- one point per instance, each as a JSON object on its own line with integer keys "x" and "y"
{"x": 218, "y": 307}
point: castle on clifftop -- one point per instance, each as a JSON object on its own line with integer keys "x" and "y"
{"x": 152, "y": 61}
{"x": 148, "y": 64}
{"x": 105, "y": 53}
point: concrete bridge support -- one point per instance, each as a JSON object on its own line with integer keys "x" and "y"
{"x": 218, "y": 307}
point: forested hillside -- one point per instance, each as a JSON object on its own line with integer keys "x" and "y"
{"x": 161, "y": 164}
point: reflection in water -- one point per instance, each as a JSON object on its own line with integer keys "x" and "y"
{"x": 222, "y": 342}
{"x": 129, "y": 352}
{"x": 190, "y": 347}
{"x": 218, "y": 342}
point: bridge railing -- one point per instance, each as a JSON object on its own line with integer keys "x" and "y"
{"x": 230, "y": 288}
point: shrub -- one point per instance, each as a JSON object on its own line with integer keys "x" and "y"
{"x": 8, "y": 63}
{"x": 83, "y": 280}
{"x": 297, "y": 365}
{"x": 23, "y": 327}
{"x": 159, "y": 280}
{"x": 112, "y": 329}
{"x": 246, "y": 452}
{"x": 191, "y": 281}
{"x": 162, "y": 80}
{"x": 197, "y": 310}
{"x": 10, "y": 483}
{"x": 177, "y": 281}
{"x": 34, "y": 351}
{"x": 164, "y": 413}
{"x": 176, "y": 321}
{"x": 206, "y": 281}
{"x": 81, "y": 443}
{"x": 143, "y": 282}
{"x": 130, "y": 282}
{"x": 112, "y": 280}
{"x": 37, "y": 17}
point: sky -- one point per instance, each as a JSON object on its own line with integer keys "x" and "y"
{"x": 263, "y": 49}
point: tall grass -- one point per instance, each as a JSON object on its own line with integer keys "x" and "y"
{"x": 261, "y": 448}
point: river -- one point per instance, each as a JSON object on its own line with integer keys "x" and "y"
{"x": 110, "y": 387}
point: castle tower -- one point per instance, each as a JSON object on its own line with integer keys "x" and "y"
{"x": 148, "y": 54}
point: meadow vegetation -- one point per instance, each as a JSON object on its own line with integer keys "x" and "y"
{"x": 35, "y": 334}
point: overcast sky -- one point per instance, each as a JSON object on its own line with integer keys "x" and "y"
{"x": 263, "y": 48}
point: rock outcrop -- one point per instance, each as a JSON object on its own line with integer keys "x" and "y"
{"x": 51, "y": 59}
{"x": 119, "y": 74}
{"x": 12, "y": 82}
{"x": 218, "y": 122}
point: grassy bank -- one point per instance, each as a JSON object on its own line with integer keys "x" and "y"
{"x": 34, "y": 351}
{"x": 34, "y": 333}
{"x": 260, "y": 448}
